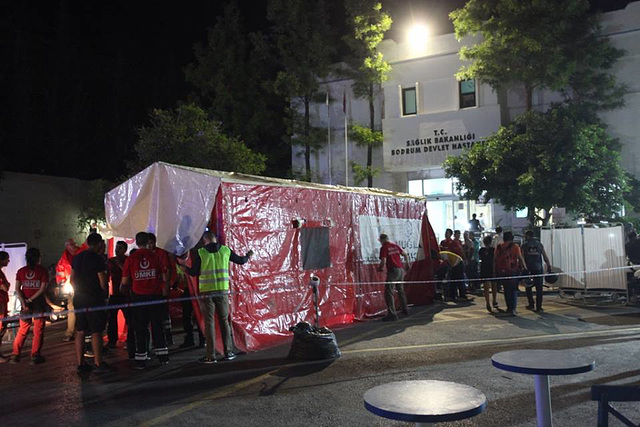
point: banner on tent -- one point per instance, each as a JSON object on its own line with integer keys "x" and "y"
{"x": 404, "y": 232}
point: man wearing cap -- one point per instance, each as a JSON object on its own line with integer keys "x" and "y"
{"x": 390, "y": 257}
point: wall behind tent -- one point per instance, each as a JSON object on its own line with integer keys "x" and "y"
{"x": 42, "y": 211}
{"x": 271, "y": 292}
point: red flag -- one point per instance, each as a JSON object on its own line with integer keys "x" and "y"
{"x": 423, "y": 269}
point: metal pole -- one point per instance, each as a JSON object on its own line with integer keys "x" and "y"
{"x": 329, "y": 135}
{"x": 346, "y": 144}
{"x": 584, "y": 259}
{"x": 543, "y": 400}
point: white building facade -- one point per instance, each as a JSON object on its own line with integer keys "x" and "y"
{"x": 427, "y": 115}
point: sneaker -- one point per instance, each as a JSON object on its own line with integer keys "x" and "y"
{"x": 187, "y": 344}
{"x": 164, "y": 359}
{"x": 104, "y": 368}
{"x": 84, "y": 368}
{"x": 230, "y": 356}
{"x": 495, "y": 304}
{"x": 390, "y": 318}
{"x": 36, "y": 360}
{"x": 68, "y": 338}
{"x": 88, "y": 353}
{"x": 140, "y": 365}
{"x": 15, "y": 358}
{"x": 207, "y": 360}
{"x": 539, "y": 310}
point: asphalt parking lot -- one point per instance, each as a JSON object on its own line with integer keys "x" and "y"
{"x": 441, "y": 342}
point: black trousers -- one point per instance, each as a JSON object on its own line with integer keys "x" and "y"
{"x": 537, "y": 283}
{"x": 145, "y": 315}
{"x": 457, "y": 285}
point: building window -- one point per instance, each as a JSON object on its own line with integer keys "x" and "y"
{"x": 409, "y": 101}
{"x": 467, "y": 90}
{"x": 433, "y": 187}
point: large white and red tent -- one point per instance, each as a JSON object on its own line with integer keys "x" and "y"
{"x": 295, "y": 229}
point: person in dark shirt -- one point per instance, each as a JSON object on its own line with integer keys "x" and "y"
{"x": 486, "y": 272}
{"x": 632, "y": 248}
{"x": 114, "y": 268}
{"x": 534, "y": 253}
{"x": 89, "y": 277}
{"x": 474, "y": 224}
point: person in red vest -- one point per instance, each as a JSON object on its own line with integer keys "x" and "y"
{"x": 390, "y": 257}
{"x": 145, "y": 277}
{"x": 31, "y": 284}
{"x": 4, "y": 298}
{"x": 169, "y": 261}
{"x": 509, "y": 262}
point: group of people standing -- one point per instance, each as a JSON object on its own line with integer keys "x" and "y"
{"x": 138, "y": 284}
{"x": 500, "y": 262}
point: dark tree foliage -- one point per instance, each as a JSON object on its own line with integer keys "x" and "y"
{"x": 231, "y": 77}
{"x": 561, "y": 157}
{"x": 540, "y": 160}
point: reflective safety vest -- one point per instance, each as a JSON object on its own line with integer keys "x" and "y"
{"x": 214, "y": 270}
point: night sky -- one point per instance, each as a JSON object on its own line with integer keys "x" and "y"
{"x": 78, "y": 78}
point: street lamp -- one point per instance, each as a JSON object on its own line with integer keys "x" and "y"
{"x": 418, "y": 35}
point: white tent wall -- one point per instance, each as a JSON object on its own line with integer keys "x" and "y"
{"x": 173, "y": 202}
{"x": 590, "y": 257}
{"x": 17, "y": 252}
{"x": 605, "y": 258}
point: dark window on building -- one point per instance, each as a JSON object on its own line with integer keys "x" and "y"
{"x": 467, "y": 93}
{"x": 409, "y": 101}
{"x": 315, "y": 248}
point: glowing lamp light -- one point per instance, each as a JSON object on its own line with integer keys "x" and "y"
{"x": 418, "y": 35}
{"x": 67, "y": 288}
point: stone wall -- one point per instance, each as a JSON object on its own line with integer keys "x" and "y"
{"x": 41, "y": 211}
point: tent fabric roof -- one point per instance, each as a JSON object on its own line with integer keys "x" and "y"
{"x": 255, "y": 179}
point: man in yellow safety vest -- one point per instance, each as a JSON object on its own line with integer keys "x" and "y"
{"x": 211, "y": 264}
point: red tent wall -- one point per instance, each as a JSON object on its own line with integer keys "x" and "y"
{"x": 271, "y": 292}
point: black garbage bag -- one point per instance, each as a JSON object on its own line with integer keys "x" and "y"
{"x": 310, "y": 343}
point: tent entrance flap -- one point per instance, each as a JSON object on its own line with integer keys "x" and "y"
{"x": 174, "y": 203}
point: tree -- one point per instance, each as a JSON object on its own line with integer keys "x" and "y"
{"x": 301, "y": 36}
{"x": 542, "y": 44}
{"x": 545, "y": 159}
{"x": 365, "y": 137}
{"x": 230, "y": 77}
{"x": 368, "y": 24}
{"x": 187, "y": 136}
{"x": 92, "y": 211}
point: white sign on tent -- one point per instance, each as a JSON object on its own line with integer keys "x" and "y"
{"x": 404, "y": 232}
